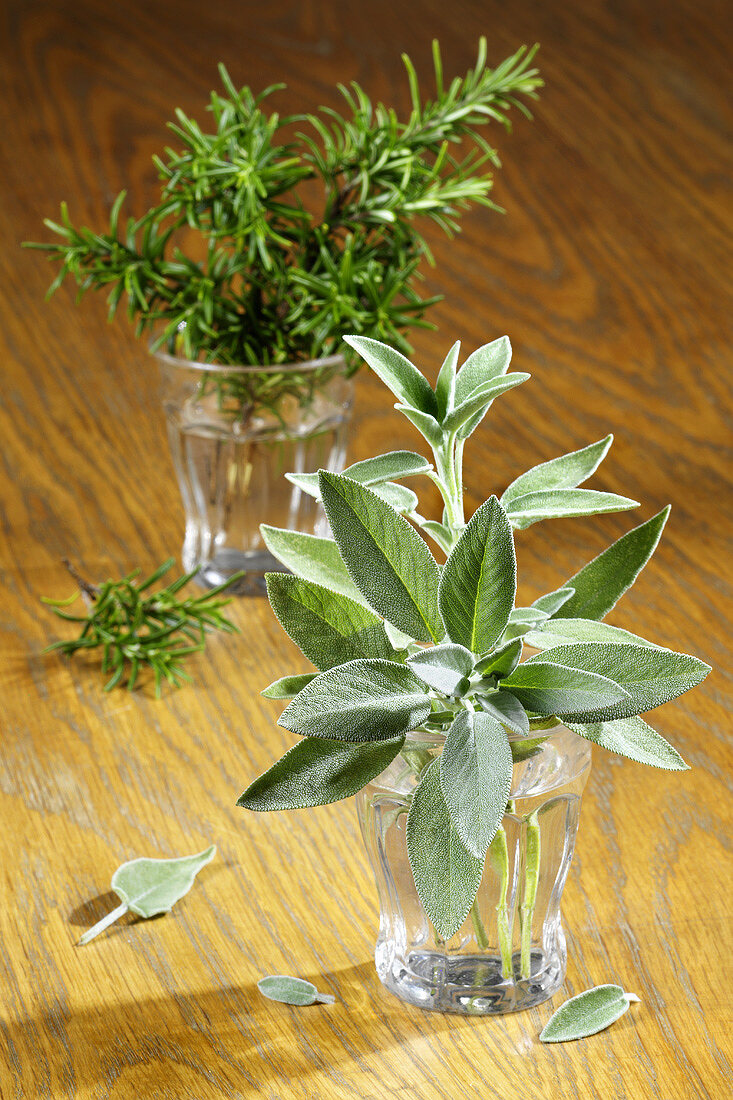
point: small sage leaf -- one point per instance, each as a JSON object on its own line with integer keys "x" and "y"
{"x": 398, "y": 373}
{"x": 563, "y": 503}
{"x": 546, "y": 688}
{"x": 602, "y": 582}
{"x": 587, "y": 1013}
{"x": 551, "y": 602}
{"x": 148, "y": 887}
{"x": 311, "y": 557}
{"x": 486, "y": 363}
{"x": 329, "y": 628}
{"x": 388, "y": 560}
{"x": 503, "y": 660}
{"x": 556, "y": 632}
{"x": 565, "y": 472}
{"x": 292, "y": 991}
{"x": 444, "y": 667}
{"x": 287, "y": 687}
{"x": 648, "y": 677}
{"x": 634, "y": 738}
{"x": 478, "y": 402}
{"x": 447, "y": 876}
{"x": 506, "y": 708}
{"x": 446, "y": 385}
{"x": 317, "y": 771}
{"x": 479, "y": 580}
{"x": 359, "y": 701}
{"x": 475, "y": 778}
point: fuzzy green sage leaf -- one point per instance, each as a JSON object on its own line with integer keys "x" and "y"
{"x": 587, "y": 1014}
{"x": 148, "y": 887}
{"x": 292, "y": 991}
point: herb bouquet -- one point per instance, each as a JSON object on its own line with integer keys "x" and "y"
{"x": 245, "y": 278}
{"x": 470, "y": 761}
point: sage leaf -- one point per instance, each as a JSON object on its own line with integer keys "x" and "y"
{"x": 528, "y": 616}
{"x": 292, "y": 991}
{"x": 483, "y": 365}
{"x": 587, "y": 1013}
{"x": 398, "y": 373}
{"x": 287, "y": 687}
{"x": 553, "y": 601}
{"x": 506, "y": 708}
{"x": 479, "y": 580}
{"x": 317, "y": 771}
{"x": 566, "y": 472}
{"x": 649, "y": 676}
{"x": 148, "y": 887}
{"x": 445, "y": 667}
{"x": 446, "y": 384}
{"x": 447, "y": 876}
{"x": 563, "y": 503}
{"x": 387, "y": 559}
{"x": 478, "y": 402}
{"x": 388, "y": 467}
{"x": 556, "y": 632}
{"x": 329, "y": 628}
{"x": 359, "y": 701}
{"x": 398, "y": 496}
{"x": 502, "y": 660}
{"x": 632, "y": 737}
{"x": 601, "y": 583}
{"x": 426, "y": 424}
{"x": 544, "y": 687}
{"x": 475, "y": 778}
{"x": 438, "y": 532}
{"x": 313, "y": 558}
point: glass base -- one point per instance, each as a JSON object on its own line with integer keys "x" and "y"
{"x": 472, "y": 985}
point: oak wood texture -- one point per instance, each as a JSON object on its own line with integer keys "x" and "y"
{"x": 609, "y": 273}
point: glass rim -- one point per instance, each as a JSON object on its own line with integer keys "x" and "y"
{"x": 308, "y": 365}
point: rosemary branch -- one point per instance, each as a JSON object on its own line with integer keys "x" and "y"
{"x": 138, "y": 628}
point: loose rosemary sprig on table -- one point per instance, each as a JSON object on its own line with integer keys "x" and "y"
{"x": 138, "y": 628}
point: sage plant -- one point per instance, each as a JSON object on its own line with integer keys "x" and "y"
{"x": 401, "y": 642}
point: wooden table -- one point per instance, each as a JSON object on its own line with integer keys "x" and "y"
{"x": 609, "y": 274}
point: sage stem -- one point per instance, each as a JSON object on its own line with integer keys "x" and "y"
{"x": 499, "y": 856}
{"x": 105, "y": 922}
{"x": 531, "y": 878}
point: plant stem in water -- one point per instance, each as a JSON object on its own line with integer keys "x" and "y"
{"x": 531, "y": 877}
{"x": 499, "y": 856}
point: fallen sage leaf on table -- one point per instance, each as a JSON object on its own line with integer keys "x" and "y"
{"x": 292, "y": 991}
{"x": 587, "y": 1013}
{"x": 148, "y": 887}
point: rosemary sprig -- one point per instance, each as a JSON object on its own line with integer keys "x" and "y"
{"x": 138, "y": 628}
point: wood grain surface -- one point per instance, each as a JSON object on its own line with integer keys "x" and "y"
{"x": 610, "y": 274}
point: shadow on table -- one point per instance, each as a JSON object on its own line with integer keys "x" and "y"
{"x": 230, "y": 1042}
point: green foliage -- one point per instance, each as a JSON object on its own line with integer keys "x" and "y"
{"x": 328, "y": 627}
{"x": 388, "y": 561}
{"x": 363, "y": 700}
{"x": 469, "y": 685}
{"x": 137, "y": 628}
{"x": 234, "y": 264}
{"x": 475, "y": 778}
{"x": 149, "y": 887}
{"x": 601, "y": 583}
{"x": 447, "y": 875}
{"x": 587, "y": 1013}
{"x": 478, "y": 582}
{"x": 632, "y": 737}
{"x": 318, "y": 771}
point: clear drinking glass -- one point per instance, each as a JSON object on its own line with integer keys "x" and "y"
{"x": 234, "y": 432}
{"x": 510, "y": 952}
